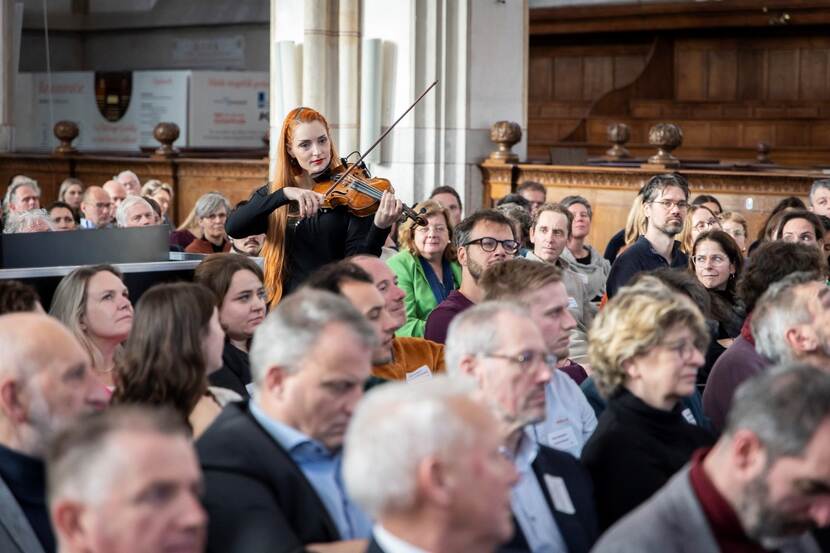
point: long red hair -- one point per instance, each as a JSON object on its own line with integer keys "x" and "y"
{"x": 273, "y": 251}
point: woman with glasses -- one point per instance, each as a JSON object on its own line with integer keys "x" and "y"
{"x": 699, "y": 219}
{"x": 646, "y": 346}
{"x": 735, "y": 225}
{"x": 716, "y": 261}
{"x": 426, "y": 265}
{"x": 211, "y": 212}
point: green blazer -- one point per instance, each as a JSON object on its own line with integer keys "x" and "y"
{"x": 419, "y": 300}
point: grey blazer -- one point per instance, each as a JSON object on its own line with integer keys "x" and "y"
{"x": 16, "y": 535}
{"x": 673, "y": 520}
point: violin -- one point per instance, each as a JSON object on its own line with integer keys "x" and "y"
{"x": 353, "y": 186}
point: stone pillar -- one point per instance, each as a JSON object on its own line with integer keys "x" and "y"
{"x": 348, "y": 71}
{"x": 11, "y": 14}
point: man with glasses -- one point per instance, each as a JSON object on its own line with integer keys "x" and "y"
{"x": 482, "y": 240}
{"x": 665, "y": 201}
{"x": 96, "y": 207}
{"x": 504, "y": 351}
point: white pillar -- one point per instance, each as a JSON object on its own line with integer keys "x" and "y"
{"x": 11, "y": 14}
{"x": 348, "y": 71}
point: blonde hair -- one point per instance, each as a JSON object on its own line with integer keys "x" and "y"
{"x": 633, "y": 323}
{"x": 406, "y": 232}
{"x": 153, "y": 185}
{"x": 735, "y": 217}
{"x": 685, "y": 236}
{"x": 635, "y": 223}
{"x": 191, "y": 223}
{"x": 273, "y": 251}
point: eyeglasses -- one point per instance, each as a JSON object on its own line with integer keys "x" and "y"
{"x": 669, "y": 204}
{"x": 705, "y": 225}
{"x": 716, "y": 259}
{"x": 489, "y": 244}
{"x": 437, "y": 229}
{"x": 526, "y": 359}
{"x": 685, "y": 350}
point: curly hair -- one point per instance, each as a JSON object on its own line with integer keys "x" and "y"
{"x": 163, "y": 362}
{"x": 634, "y": 322}
{"x": 771, "y": 262}
{"x": 406, "y": 232}
{"x": 17, "y": 296}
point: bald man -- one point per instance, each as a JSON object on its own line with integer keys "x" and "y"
{"x": 97, "y": 208}
{"x": 45, "y": 384}
{"x": 117, "y": 192}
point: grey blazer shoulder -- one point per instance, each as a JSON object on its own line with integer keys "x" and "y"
{"x": 673, "y": 520}
{"x": 16, "y": 534}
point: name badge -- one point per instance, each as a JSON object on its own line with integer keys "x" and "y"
{"x": 687, "y": 414}
{"x": 559, "y": 495}
{"x": 421, "y": 373}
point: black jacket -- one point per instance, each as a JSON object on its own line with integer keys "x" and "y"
{"x": 579, "y": 530}
{"x": 235, "y": 373}
{"x": 634, "y": 451}
{"x": 256, "y": 496}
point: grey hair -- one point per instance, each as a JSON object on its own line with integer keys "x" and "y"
{"x": 394, "y": 428}
{"x": 568, "y": 201}
{"x": 20, "y": 221}
{"x": 127, "y": 203}
{"x": 292, "y": 330}
{"x": 818, "y": 185}
{"x": 17, "y": 182}
{"x": 476, "y": 330}
{"x": 779, "y": 309}
{"x": 126, "y": 173}
{"x": 784, "y": 406}
{"x": 82, "y": 461}
{"x": 210, "y": 203}
{"x": 153, "y": 185}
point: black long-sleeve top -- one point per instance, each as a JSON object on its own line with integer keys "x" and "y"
{"x": 330, "y": 235}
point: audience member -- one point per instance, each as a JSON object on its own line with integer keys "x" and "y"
{"x": 134, "y": 211}
{"x": 155, "y": 207}
{"x": 537, "y": 288}
{"x": 175, "y": 343}
{"x": 449, "y": 198}
{"x": 770, "y": 227}
{"x": 62, "y": 216}
{"x": 187, "y": 232}
{"x": 514, "y": 198}
{"x": 579, "y": 256}
{"x": 709, "y": 202}
{"x": 130, "y": 182}
{"x": 45, "y": 383}
{"x": 411, "y": 357}
{"x": 426, "y": 265}
{"x": 535, "y": 193}
{"x": 735, "y": 225}
{"x": 211, "y": 212}
{"x": 481, "y": 240}
{"x": 126, "y": 481}
{"x": 769, "y": 263}
{"x": 549, "y": 234}
{"x": 699, "y": 219}
{"x": 820, "y": 197}
{"x": 646, "y": 346}
{"x": 635, "y": 226}
{"x": 162, "y": 193}
{"x": 521, "y": 221}
{"x": 504, "y": 351}
{"x": 665, "y": 200}
{"x": 34, "y": 220}
{"x": 717, "y": 262}
{"x": 800, "y": 225}
{"x": 250, "y": 245}
{"x": 17, "y": 296}
{"x": 237, "y": 285}
{"x": 117, "y": 192}
{"x": 272, "y": 466}
{"x": 71, "y": 192}
{"x": 763, "y": 485}
{"x": 451, "y": 487}
{"x": 97, "y": 208}
{"x": 23, "y": 194}
{"x": 790, "y": 321}
{"x": 94, "y": 304}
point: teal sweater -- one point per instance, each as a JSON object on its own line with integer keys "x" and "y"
{"x": 419, "y": 300}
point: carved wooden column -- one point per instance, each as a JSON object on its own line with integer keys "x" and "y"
{"x": 166, "y": 134}
{"x": 65, "y": 132}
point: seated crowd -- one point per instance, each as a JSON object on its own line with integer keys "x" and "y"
{"x": 489, "y": 383}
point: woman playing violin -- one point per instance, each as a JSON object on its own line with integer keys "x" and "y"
{"x": 300, "y": 235}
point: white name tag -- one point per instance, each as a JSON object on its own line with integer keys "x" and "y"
{"x": 572, "y": 303}
{"x": 559, "y": 494}
{"x": 687, "y": 414}
{"x": 421, "y": 373}
{"x": 563, "y": 439}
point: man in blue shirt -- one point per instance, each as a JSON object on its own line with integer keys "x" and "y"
{"x": 665, "y": 202}
{"x": 272, "y": 466}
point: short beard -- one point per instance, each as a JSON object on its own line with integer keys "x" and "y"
{"x": 42, "y": 425}
{"x": 761, "y": 522}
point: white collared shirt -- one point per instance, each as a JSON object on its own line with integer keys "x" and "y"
{"x": 391, "y": 543}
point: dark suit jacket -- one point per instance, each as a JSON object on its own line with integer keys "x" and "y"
{"x": 579, "y": 530}
{"x": 256, "y": 496}
{"x": 16, "y": 534}
{"x": 374, "y": 547}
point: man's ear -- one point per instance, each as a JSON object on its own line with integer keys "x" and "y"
{"x": 468, "y": 365}
{"x": 801, "y": 339}
{"x": 274, "y": 381}
{"x": 749, "y": 458}
{"x": 431, "y": 481}
{"x": 532, "y": 234}
{"x": 67, "y": 519}
{"x": 10, "y": 401}
{"x": 461, "y": 253}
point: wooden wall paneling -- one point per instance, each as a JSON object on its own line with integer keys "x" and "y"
{"x": 722, "y": 76}
{"x": 791, "y": 134}
{"x": 48, "y": 171}
{"x": 567, "y": 78}
{"x": 820, "y": 135}
{"x": 540, "y": 77}
{"x": 782, "y": 76}
{"x": 691, "y": 74}
{"x": 753, "y": 133}
{"x": 752, "y": 68}
{"x": 627, "y": 69}
{"x": 724, "y": 133}
{"x": 813, "y": 75}
{"x": 598, "y": 75}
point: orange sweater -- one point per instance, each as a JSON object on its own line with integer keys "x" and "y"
{"x": 410, "y": 354}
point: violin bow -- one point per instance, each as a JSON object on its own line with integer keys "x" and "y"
{"x": 382, "y": 136}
